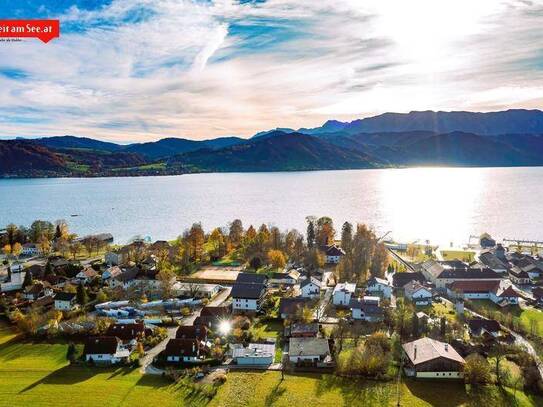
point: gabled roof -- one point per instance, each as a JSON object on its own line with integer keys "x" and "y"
{"x": 472, "y": 274}
{"x": 301, "y": 328}
{"x": 191, "y": 332}
{"x": 367, "y": 309}
{"x": 432, "y": 267}
{"x": 311, "y": 280}
{"x": 214, "y": 311}
{"x": 345, "y": 287}
{"x": 413, "y": 286}
{"x": 128, "y": 274}
{"x": 537, "y": 292}
{"x": 518, "y": 273}
{"x": 377, "y": 280}
{"x": 492, "y": 261}
{"x": 401, "y": 279}
{"x": 426, "y": 349}
{"x": 251, "y": 278}
{"x": 62, "y": 296}
{"x": 182, "y": 347}
{"x": 334, "y": 250}
{"x": 101, "y": 345}
{"x": 247, "y": 290}
{"x": 127, "y": 331}
{"x": 474, "y": 286}
{"x": 489, "y": 325}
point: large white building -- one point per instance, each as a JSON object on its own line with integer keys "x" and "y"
{"x": 343, "y": 292}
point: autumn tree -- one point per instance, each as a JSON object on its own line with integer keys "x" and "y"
{"x": 167, "y": 280}
{"x": 216, "y": 244}
{"x": 236, "y": 232}
{"x": 477, "y": 370}
{"x": 325, "y": 232}
{"x": 61, "y": 229}
{"x": 379, "y": 260}
{"x": 310, "y": 231}
{"x": 82, "y": 295}
{"x": 277, "y": 258}
{"x": 196, "y": 238}
{"x": 41, "y": 229}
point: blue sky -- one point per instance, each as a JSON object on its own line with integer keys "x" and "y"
{"x": 134, "y": 70}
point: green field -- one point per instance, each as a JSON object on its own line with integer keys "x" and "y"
{"x": 267, "y": 389}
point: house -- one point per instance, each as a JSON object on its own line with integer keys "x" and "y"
{"x": 366, "y": 309}
{"x": 37, "y": 271}
{"x": 65, "y": 301}
{"x": 255, "y": 354}
{"x": 493, "y": 262}
{"x": 129, "y": 332}
{"x": 212, "y": 316}
{"x": 289, "y": 308}
{"x": 342, "y": 293}
{"x": 311, "y": 350}
{"x": 431, "y": 269}
{"x": 504, "y": 295}
{"x": 86, "y": 275}
{"x": 486, "y": 242}
{"x": 197, "y": 290}
{"x": 379, "y": 286}
{"x": 279, "y": 279}
{"x": 182, "y": 350}
{"x": 37, "y": 290}
{"x": 248, "y": 292}
{"x": 303, "y": 330}
{"x": 30, "y": 249}
{"x": 399, "y": 280}
{"x": 519, "y": 276}
{"x": 125, "y": 279}
{"x": 113, "y": 258}
{"x": 417, "y": 293}
{"x": 538, "y": 295}
{"x": 333, "y": 254}
{"x": 310, "y": 288}
{"x": 449, "y": 276}
{"x": 198, "y": 332}
{"x": 105, "y": 350}
{"x": 59, "y": 264}
{"x": 16, "y": 280}
{"x": 111, "y": 272}
{"x": 481, "y": 327}
{"x": 428, "y": 358}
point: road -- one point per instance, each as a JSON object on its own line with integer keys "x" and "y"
{"x": 146, "y": 361}
{"x": 519, "y": 339}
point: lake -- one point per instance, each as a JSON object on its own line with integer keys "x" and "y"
{"x": 442, "y": 205}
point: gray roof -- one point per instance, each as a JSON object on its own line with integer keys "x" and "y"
{"x": 489, "y": 259}
{"x": 308, "y": 347}
{"x": 251, "y": 278}
{"x": 249, "y": 291}
{"x": 471, "y": 273}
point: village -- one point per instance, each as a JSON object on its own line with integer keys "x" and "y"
{"x": 235, "y": 300}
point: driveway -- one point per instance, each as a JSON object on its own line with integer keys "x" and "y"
{"x": 146, "y": 361}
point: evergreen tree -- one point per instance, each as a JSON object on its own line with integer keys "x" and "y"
{"x": 28, "y": 279}
{"x": 82, "y": 296}
{"x": 415, "y": 326}
{"x": 70, "y": 353}
{"x": 443, "y": 327}
{"x": 48, "y": 270}
{"x": 310, "y": 233}
{"x": 346, "y": 237}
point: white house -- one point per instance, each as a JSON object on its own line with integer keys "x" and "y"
{"x": 182, "y": 350}
{"x": 279, "y": 279}
{"x": 333, "y": 254}
{"x": 16, "y": 280}
{"x": 248, "y": 292}
{"x": 379, "y": 286}
{"x": 417, "y": 293}
{"x": 105, "y": 350}
{"x": 30, "y": 249}
{"x": 431, "y": 359}
{"x": 310, "y": 288}
{"x": 308, "y": 350}
{"x": 255, "y": 354}
{"x": 342, "y": 293}
{"x": 65, "y": 301}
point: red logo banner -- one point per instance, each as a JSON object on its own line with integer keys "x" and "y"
{"x": 45, "y": 30}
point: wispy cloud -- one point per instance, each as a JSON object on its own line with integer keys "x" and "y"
{"x": 144, "y": 69}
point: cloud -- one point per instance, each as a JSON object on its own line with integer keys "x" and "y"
{"x": 144, "y": 69}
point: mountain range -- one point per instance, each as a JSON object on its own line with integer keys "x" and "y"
{"x": 507, "y": 138}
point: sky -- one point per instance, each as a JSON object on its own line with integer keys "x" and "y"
{"x": 141, "y": 70}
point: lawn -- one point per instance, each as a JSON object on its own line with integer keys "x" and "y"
{"x": 6, "y": 333}
{"x": 462, "y": 255}
{"x": 37, "y": 374}
{"x": 267, "y": 389}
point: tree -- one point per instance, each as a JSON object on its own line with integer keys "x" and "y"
{"x": 325, "y": 231}
{"x": 70, "y": 353}
{"x": 346, "y": 237}
{"x": 82, "y": 295}
{"x": 196, "y": 239}
{"x": 255, "y": 263}
{"x": 61, "y": 229}
{"x": 498, "y": 353}
{"x": 216, "y": 244}
{"x": 314, "y": 259}
{"x": 41, "y": 230}
{"x": 415, "y": 329}
{"x": 7, "y": 249}
{"x": 48, "y": 269}
{"x": 310, "y": 231}
{"x": 75, "y": 248}
{"x": 101, "y": 296}
{"x": 167, "y": 279}
{"x": 16, "y": 249}
{"x": 477, "y": 370}
{"x": 236, "y": 232}
{"x": 44, "y": 244}
{"x": 379, "y": 260}
{"x": 27, "y": 280}
{"x": 277, "y": 258}
{"x": 443, "y": 327}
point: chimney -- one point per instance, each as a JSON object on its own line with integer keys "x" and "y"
{"x": 415, "y": 353}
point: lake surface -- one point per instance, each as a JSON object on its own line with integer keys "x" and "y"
{"x": 440, "y": 204}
